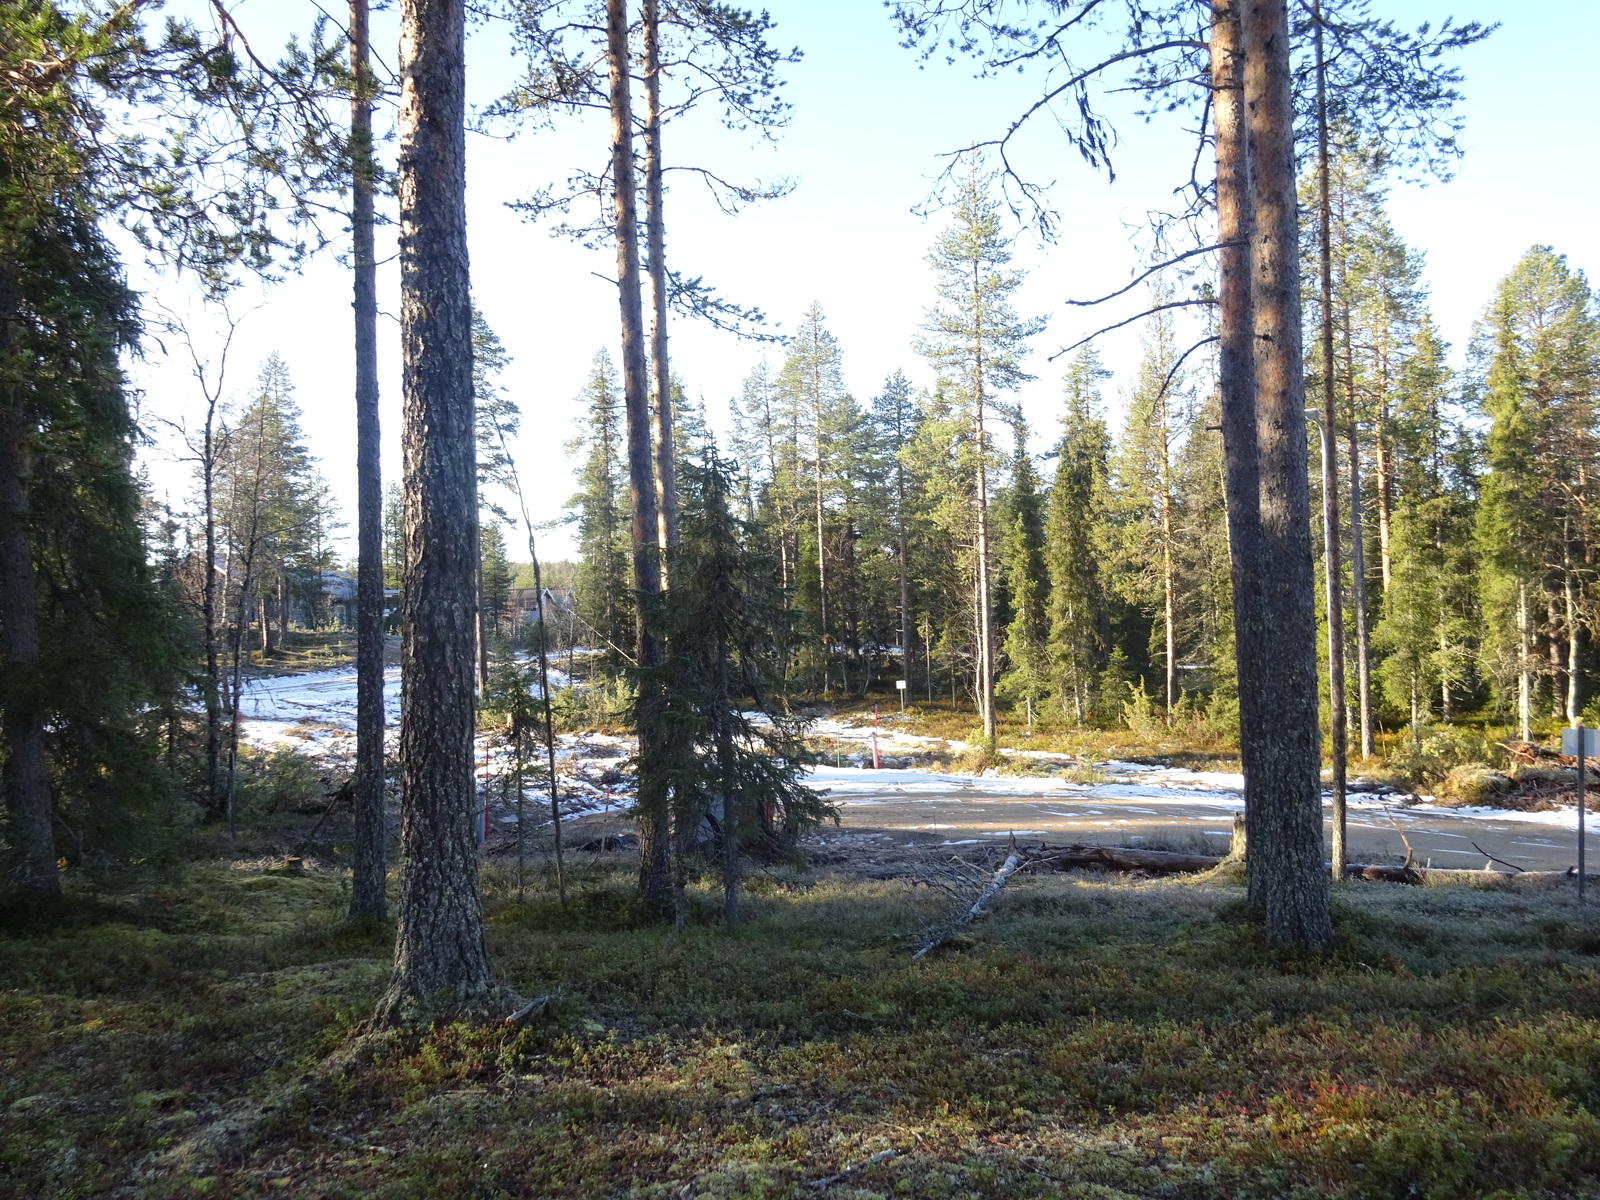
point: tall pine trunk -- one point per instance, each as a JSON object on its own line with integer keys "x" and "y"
{"x": 1330, "y": 466}
{"x": 655, "y": 875}
{"x": 367, "y": 893}
{"x": 1285, "y": 874}
{"x": 985, "y": 597}
{"x": 666, "y": 480}
{"x": 1358, "y": 556}
{"x": 439, "y": 944}
{"x": 1237, "y": 386}
{"x": 213, "y": 676}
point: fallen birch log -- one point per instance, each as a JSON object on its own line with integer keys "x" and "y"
{"x": 985, "y": 898}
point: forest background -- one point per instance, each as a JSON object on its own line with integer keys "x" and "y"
{"x": 869, "y": 124}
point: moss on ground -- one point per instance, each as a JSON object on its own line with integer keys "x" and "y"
{"x": 168, "y": 1036}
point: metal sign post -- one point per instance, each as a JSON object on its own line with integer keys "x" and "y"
{"x": 875, "y": 739}
{"x": 900, "y": 686}
{"x": 1582, "y": 743}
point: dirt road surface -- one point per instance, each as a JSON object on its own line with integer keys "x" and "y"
{"x": 956, "y": 813}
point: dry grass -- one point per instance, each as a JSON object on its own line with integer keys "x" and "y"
{"x": 1089, "y": 1038}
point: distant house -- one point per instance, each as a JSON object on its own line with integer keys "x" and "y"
{"x": 522, "y": 604}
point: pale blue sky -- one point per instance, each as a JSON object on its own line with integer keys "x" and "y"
{"x": 869, "y": 124}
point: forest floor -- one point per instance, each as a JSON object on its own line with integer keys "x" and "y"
{"x": 177, "y": 1031}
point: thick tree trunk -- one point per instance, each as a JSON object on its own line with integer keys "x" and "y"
{"x": 24, "y": 776}
{"x": 1237, "y": 387}
{"x": 655, "y": 875}
{"x": 440, "y": 950}
{"x": 1285, "y": 864}
{"x": 656, "y": 250}
{"x": 367, "y": 894}
{"x": 1330, "y": 466}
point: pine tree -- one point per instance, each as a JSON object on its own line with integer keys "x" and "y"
{"x": 1148, "y": 502}
{"x": 1026, "y": 677}
{"x": 976, "y": 341}
{"x": 440, "y": 950}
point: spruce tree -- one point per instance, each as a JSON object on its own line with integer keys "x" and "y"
{"x": 1026, "y": 678}
{"x": 1542, "y": 342}
{"x": 1079, "y": 498}
{"x": 600, "y": 590}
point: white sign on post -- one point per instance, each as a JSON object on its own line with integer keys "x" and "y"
{"x": 1591, "y": 742}
{"x": 900, "y": 685}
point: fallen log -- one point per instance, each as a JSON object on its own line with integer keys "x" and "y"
{"x": 1126, "y": 858}
{"x": 985, "y": 898}
{"x": 1165, "y": 862}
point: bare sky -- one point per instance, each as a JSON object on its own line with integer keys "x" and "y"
{"x": 870, "y": 123}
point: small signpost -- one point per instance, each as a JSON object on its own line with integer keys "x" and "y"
{"x": 900, "y": 686}
{"x": 1583, "y": 744}
{"x": 874, "y": 737}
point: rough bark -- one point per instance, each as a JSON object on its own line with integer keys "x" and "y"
{"x": 367, "y": 893}
{"x": 655, "y": 876}
{"x": 1330, "y": 467}
{"x": 1236, "y": 383}
{"x": 1285, "y": 866}
{"x": 24, "y": 776}
{"x": 440, "y": 952}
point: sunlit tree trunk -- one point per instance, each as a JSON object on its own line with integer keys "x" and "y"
{"x": 439, "y": 944}
{"x": 656, "y": 250}
{"x": 1285, "y": 870}
{"x": 655, "y": 875}
{"x": 1333, "y": 572}
{"x": 1236, "y": 382}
